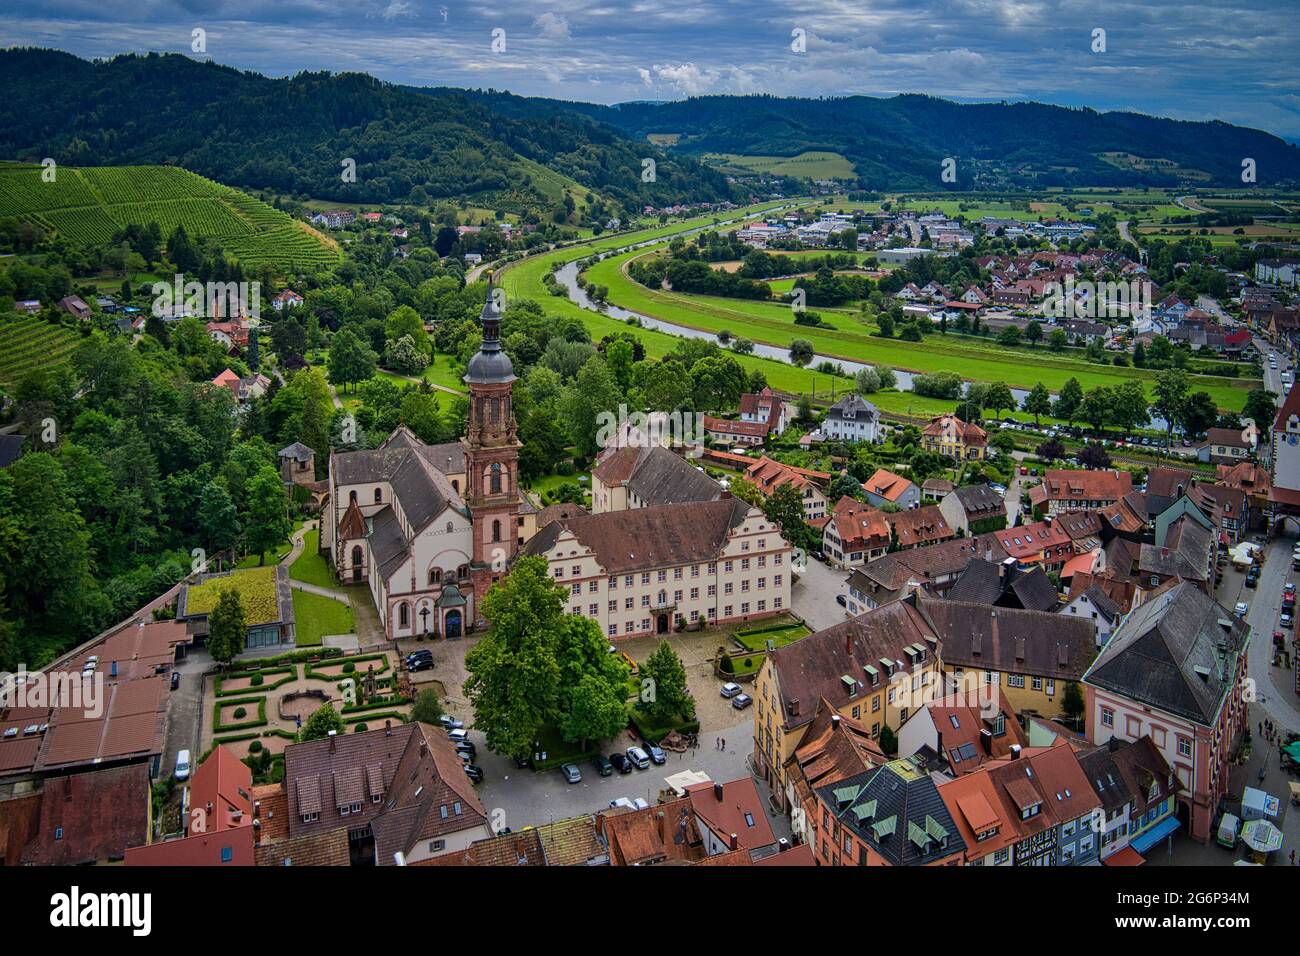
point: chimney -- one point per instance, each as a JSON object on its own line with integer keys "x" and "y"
{"x": 733, "y": 841}
{"x": 257, "y": 832}
{"x": 835, "y": 721}
{"x": 986, "y": 741}
{"x": 388, "y": 728}
{"x": 333, "y": 748}
{"x": 848, "y": 642}
{"x": 794, "y": 706}
{"x": 1113, "y": 744}
{"x": 659, "y": 824}
{"x": 717, "y": 792}
{"x": 1015, "y": 751}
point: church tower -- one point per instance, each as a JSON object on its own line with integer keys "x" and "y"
{"x": 492, "y": 453}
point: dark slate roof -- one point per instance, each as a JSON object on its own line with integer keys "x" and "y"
{"x": 978, "y": 500}
{"x": 423, "y": 492}
{"x": 897, "y": 811}
{"x": 1186, "y": 552}
{"x": 448, "y": 458}
{"x": 1154, "y": 655}
{"x": 297, "y": 451}
{"x": 1103, "y": 602}
{"x": 387, "y": 542}
{"x": 1105, "y": 777}
{"x": 1034, "y": 589}
{"x": 980, "y": 583}
{"x": 11, "y": 449}
{"x": 1011, "y": 640}
{"x": 855, "y": 406}
{"x": 663, "y": 478}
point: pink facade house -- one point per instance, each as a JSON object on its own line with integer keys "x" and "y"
{"x": 1174, "y": 669}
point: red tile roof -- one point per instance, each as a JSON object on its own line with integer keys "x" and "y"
{"x": 733, "y": 808}
{"x": 91, "y": 817}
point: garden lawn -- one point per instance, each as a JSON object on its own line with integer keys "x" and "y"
{"x": 272, "y": 557}
{"x": 311, "y": 566}
{"x": 772, "y": 324}
{"x": 756, "y": 640}
{"x": 316, "y": 616}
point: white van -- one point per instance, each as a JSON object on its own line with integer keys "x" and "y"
{"x": 183, "y": 765}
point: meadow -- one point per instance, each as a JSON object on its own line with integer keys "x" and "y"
{"x": 772, "y": 324}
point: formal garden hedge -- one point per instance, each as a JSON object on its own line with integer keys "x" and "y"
{"x": 357, "y": 671}
{"x": 289, "y": 674}
{"x": 654, "y": 729}
{"x": 260, "y": 721}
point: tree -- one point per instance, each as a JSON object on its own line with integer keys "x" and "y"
{"x": 1057, "y": 340}
{"x": 218, "y": 517}
{"x": 593, "y": 702}
{"x": 227, "y": 629}
{"x": 514, "y": 676}
{"x": 322, "y": 720}
{"x": 1038, "y": 402}
{"x": 1050, "y": 450}
{"x": 664, "y": 694}
{"x": 1169, "y": 395}
{"x": 404, "y": 320}
{"x": 427, "y": 708}
{"x": 866, "y": 381}
{"x": 997, "y": 396}
{"x": 801, "y": 352}
{"x": 1261, "y": 408}
{"x": 1009, "y": 336}
{"x": 1034, "y": 332}
{"x": 1199, "y": 414}
{"x": 784, "y": 506}
{"x": 267, "y": 521}
{"x": 747, "y": 491}
{"x": 1072, "y": 702}
{"x": 1068, "y": 401}
{"x": 350, "y": 360}
{"x": 1094, "y": 455}
{"x": 1098, "y": 407}
{"x": 886, "y": 375}
{"x": 1129, "y": 405}
{"x": 594, "y": 391}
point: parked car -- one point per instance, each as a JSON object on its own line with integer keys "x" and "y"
{"x": 1286, "y": 620}
{"x": 422, "y": 652}
{"x": 1241, "y": 609}
{"x": 176, "y": 679}
{"x": 451, "y": 723}
{"x": 640, "y": 803}
{"x": 467, "y": 747}
{"x": 730, "y": 690}
{"x": 656, "y": 755}
{"x": 183, "y": 765}
{"x": 640, "y": 759}
{"x": 602, "y": 765}
{"x": 622, "y": 802}
{"x": 474, "y": 772}
{"x": 458, "y": 735}
{"x": 420, "y": 664}
{"x": 741, "y": 701}
{"x": 840, "y": 600}
{"x": 571, "y": 773}
{"x": 523, "y": 763}
{"x": 1252, "y": 577}
{"x": 620, "y": 762}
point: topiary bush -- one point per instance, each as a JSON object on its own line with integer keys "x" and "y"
{"x": 240, "y": 713}
{"x": 349, "y": 668}
{"x": 257, "y": 680}
{"x": 255, "y": 746}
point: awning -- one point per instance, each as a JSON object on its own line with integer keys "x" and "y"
{"x": 1125, "y": 857}
{"x": 1153, "y": 836}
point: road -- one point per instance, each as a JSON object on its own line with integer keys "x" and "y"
{"x": 1274, "y": 686}
{"x": 813, "y": 595}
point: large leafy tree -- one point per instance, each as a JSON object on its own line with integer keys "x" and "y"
{"x": 1038, "y": 402}
{"x": 323, "y": 719}
{"x": 1068, "y": 400}
{"x": 514, "y": 674}
{"x": 218, "y": 517}
{"x": 785, "y": 507}
{"x": 1169, "y": 395}
{"x": 1261, "y": 407}
{"x": 592, "y": 702}
{"x": 226, "y": 628}
{"x": 267, "y": 519}
{"x": 664, "y": 695}
{"x": 350, "y": 360}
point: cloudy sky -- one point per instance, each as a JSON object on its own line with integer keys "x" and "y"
{"x": 1232, "y": 60}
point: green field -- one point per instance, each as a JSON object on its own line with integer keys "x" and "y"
{"x": 523, "y": 280}
{"x": 29, "y": 343}
{"x": 316, "y": 616}
{"x": 772, "y": 323}
{"x": 812, "y": 164}
{"x": 89, "y": 205}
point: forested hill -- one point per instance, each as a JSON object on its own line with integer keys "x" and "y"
{"x": 899, "y": 142}
{"x": 293, "y": 134}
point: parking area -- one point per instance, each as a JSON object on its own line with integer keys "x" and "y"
{"x": 812, "y": 597}
{"x": 516, "y": 798}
